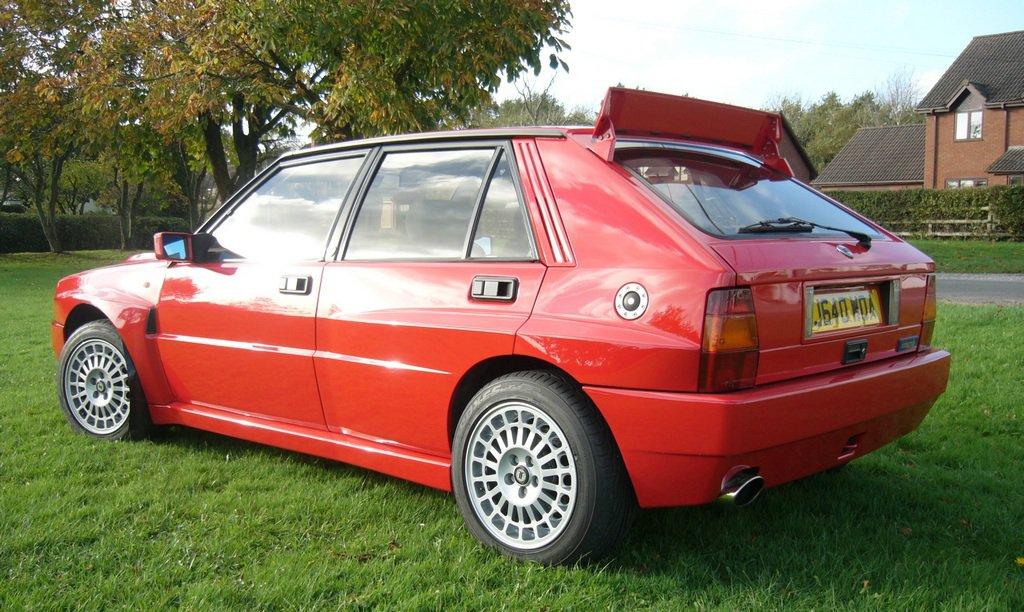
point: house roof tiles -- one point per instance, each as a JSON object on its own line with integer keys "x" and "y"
{"x": 1010, "y": 162}
{"x": 993, "y": 64}
{"x": 878, "y": 155}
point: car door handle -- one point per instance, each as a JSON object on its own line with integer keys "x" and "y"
{"x": 297, "y": 285}
{"x": 500, "y": 288}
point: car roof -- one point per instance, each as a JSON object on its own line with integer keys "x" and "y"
{"x": 439, "y": 136}
{"x": 579, "y": 133}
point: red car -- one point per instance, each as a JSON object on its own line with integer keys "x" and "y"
{"x": 557, "y": 324}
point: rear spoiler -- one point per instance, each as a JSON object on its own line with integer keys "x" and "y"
{"x": 632, "y": 112}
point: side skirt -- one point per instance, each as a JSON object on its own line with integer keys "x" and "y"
{"x": 421, "y": 468}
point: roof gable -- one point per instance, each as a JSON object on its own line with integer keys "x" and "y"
{"x": 970, "y": 97}
{"x": 993, "y": 65}
{"x": 878, "y": 155}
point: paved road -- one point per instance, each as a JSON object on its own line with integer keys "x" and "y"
{"x": 1006, "y": 289}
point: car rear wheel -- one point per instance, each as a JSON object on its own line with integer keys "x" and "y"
{"x": 98, "y": 387}
{"x": 536, "y": 473}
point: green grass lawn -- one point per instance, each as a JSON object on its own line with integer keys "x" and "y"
{"x": 975, "y": 256}
{"x": 197, "y": 520}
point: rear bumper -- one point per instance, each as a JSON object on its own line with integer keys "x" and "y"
{"x": 678, "y": 447}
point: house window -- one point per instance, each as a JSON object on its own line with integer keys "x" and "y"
{"x": 965, "y": 183}
{"x": 1017, "y": 179}
{"x": 968, "y": 125}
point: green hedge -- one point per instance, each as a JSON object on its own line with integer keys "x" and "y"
{"x": 22, "y": 232}
{"x": 905, "y": 209}
{"x": 8, "y": 207}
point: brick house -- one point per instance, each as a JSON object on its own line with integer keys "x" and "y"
{"x": 975, "y": 116}
{"x": 973, "y": 135}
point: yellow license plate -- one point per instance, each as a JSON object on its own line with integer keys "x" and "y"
{"x": 845, "y": 310}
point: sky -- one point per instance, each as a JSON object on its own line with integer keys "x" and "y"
{"x": 747, "y": 52}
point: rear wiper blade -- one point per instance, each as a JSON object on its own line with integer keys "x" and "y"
{"x": 781, "y": 226}
{"x": 793, "y": 224}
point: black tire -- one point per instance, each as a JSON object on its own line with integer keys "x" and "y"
{"x": 138, "y": 423}
{"x": 604, "y": 504}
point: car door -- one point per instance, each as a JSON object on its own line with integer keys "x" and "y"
{"x": 238, "y": 334}
{"x": 436, "y": 272}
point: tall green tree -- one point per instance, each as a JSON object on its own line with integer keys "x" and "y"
{"x": 245, "y": 71}
{"x": 41, "y": 123}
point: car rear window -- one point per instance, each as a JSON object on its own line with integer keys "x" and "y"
{"x": 720, "y": 195}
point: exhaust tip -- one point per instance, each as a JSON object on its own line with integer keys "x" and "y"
{"x": 748, "y": 491}
{"x": 742, "y": 488}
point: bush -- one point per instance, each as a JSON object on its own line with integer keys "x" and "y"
{"x": 145, "y": 227}
{"x": 1010, "y": 211}
{"x": 905, "y": 210}
{"x": 10, "y": 207}
{"x": 22, "y": 232}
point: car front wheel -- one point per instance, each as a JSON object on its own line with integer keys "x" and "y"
{"x": 536, "y": 473}
{"x": 98, "y": 387}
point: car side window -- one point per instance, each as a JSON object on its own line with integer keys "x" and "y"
{"x": 419, "y": 205}
{"x": 289, "y": 216}
{"x": 502, "y": 231}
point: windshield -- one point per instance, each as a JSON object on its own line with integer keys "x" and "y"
{"x": 720, "y": 195}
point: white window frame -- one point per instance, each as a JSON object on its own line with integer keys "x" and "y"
{"x": 966, "y": 120}
{"x": 966, "y": 183}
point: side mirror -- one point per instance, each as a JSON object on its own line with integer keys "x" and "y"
{"x": 173, "y": 246}
{"x": 182, "y": 246}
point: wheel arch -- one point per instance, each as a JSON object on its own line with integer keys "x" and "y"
{"x": 484, "y": 372}
{"x": 80, "y": 315}
{"x": 494, "y": 367}
{"x": 134, "y": 321}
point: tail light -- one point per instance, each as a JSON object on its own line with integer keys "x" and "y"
{"x": 928, "y": 319}
{"x": 728, "y": 359}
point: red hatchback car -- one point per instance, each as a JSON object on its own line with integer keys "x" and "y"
{"x": 557, "y": 324}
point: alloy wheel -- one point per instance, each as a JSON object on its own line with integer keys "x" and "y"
{"x": 96, "y": 386}
{"x": 521, "y": 475}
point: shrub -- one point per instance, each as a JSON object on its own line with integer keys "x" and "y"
{"x": 145, "y": 227}
{"x": 1010, "y": 211}
{"x": 10, "y": 207}
{"x": 906, "y": 209}
{"x": 22, "y": 232}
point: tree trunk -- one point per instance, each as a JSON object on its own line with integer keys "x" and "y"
{"x": 133, "y": 210}
{"x": 35, "y": 178}
{"x": 248, "y": 150}
{"x": 49, "y": 228}
{"x": 124, "y": 221}
{"x": 48, "y": 218}
{"x": 194, "y": 195}
{"x": 72, "y": 206}
{"x": 126, "y": 207}
{"x": 217, "y": 157}
{"x": 190, "y": 182}
{"x": 7, "y": 185}
{"x": 246, "y": 145}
